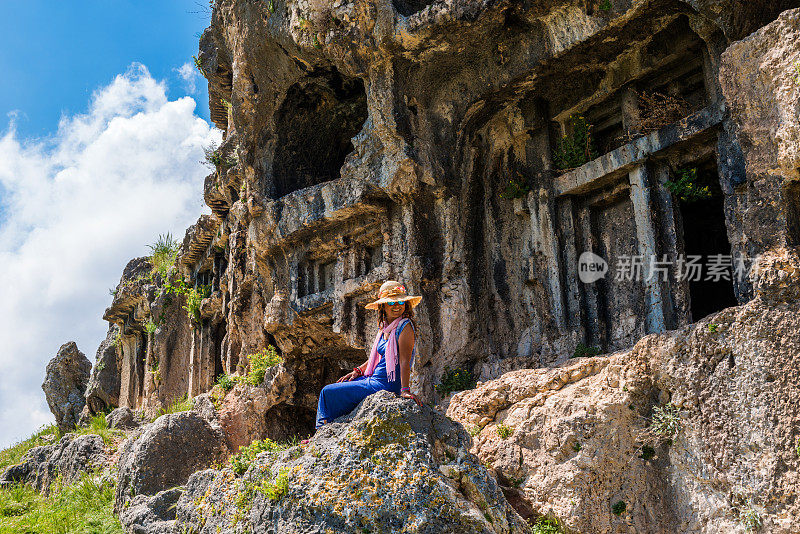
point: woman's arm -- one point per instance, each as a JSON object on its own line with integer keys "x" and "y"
{"x": 405, "y": 346}
{"x": 352, "y": 375}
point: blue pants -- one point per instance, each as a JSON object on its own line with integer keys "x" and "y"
{"x": 336, "y": 400}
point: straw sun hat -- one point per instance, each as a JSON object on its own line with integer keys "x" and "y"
{"x": 392, "y": 291}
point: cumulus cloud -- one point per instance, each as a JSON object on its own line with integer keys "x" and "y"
{"x": 74, "y": 208}
{"x": 189, "y": 75}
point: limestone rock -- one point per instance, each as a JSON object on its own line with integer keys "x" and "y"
{"x": 576, "y": 441}
{"x": 123, "y": 418}
{"x": 151, "y": 514}
{"x": 70, "y": 457}
{"x": 102, "y": 391}
{"x": 389, "y": 466}
{"x": 65, "y": 384}
{"x": 164, "y": 453}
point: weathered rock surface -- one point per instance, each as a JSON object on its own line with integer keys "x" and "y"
{"x": 123, "y": 418}
{"x": 388, "y": 467}
{"x": 68, "y": 458}
{"x": 65, "y": 385}
{"x": 579, "y": 441}
{"x": 151, "y": 514}
{"x": 102, "y": 392}
{"x": 164, "y": 453}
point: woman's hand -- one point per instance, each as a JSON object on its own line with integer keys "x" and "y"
{"x": 409, "y": 395}
{"x": 348, "y": 377}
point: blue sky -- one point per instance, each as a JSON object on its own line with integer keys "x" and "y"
{"x": 55, "y": 54}
{"x": 100, "y": 146}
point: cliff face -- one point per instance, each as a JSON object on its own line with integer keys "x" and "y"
{"x": 440, "y": 144}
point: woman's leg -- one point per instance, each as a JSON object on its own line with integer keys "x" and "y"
{"x": 341, "y": 398}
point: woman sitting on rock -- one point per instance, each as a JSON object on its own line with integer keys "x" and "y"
{"x": 389, "y": 363}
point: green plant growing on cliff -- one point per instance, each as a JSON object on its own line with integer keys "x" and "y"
{"x": 584, "y": 351}
{"x": 749, "y": 517}
{"x": 194, "y": 297}
{"x": 619, "y": 508}
{"x": 259, "y": 363}
{"x": 504, "y": 430}
{"x": 547, "y": 525}
{"x": 198, "y": 65}
{"x": 685, "y": 187}
{"x": 797, "y": 72}
{"x": 455, "y": 380}
{"x": 225, "y": 382}
{"x": 163, "y": 254}
{"x": 576, "y": 148}
{"x": 516, "y": 187}
{"x": 666, "y": 421}
{"x": 214, "y": 155}
{"x": 150, "y": 327}
{"x": 605, "y": 5}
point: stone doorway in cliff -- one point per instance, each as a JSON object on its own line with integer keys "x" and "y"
{"x": 704, "y": 234}
{"x": 314, "y": 126}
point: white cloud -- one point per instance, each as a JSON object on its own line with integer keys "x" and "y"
{"x": 189, "y": 75}
{"x": 74, "y": 209}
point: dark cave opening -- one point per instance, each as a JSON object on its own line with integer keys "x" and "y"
{"x": 792, "y": 203}
{"x": 705, "y": 235}
{"x": 315, "y": 125}
{"x": 409, "y": 7}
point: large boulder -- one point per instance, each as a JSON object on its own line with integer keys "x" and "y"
{"x": 68, "y": 458}
{"x": 694, "y": 430}
{"x": 65, "y": 384}
{"x": 102, "y": 391}
{"x": 164, "y": 453}
{"x": 390, "y": 466}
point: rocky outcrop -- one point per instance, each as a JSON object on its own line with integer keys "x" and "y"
{"x": 102, "y": 392}
{"x": 154, "y": 514}
{"x": 577, "y": 440}
{"x": 124, "y": 419}
{"x": 65, "y": 385}
{"x": 389, "y": 466}
{"x": 68, "y": 458}
{"x": 164, "y": 453}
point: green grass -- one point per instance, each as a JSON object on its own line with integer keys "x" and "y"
{"x": 98, "y": 425}
{"x": 13, "y": 455}
{"x": 83, "y": 507}
{"x": 182, "y": 404}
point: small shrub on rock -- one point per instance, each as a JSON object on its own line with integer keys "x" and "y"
{"x": 225, "y": 382}
{"x": 583, "y": 351}
{"x": 749, "y": 517}
{"x": 241, "y": 462}
{"x": 547, "y": 525}
{"x": 577, "y": 148}
{"x": 455, "y": 380}
{"x": 686, "y": 188}
{"x": 276, "y": 489}
{"x": 666, "y": 421}
{"x": 163, "y": 254}
{"x": 260, "y": 362}
{"x": 504, "y": 431}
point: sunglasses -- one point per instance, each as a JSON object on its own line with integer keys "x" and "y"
{"x": 395, "y": 302}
